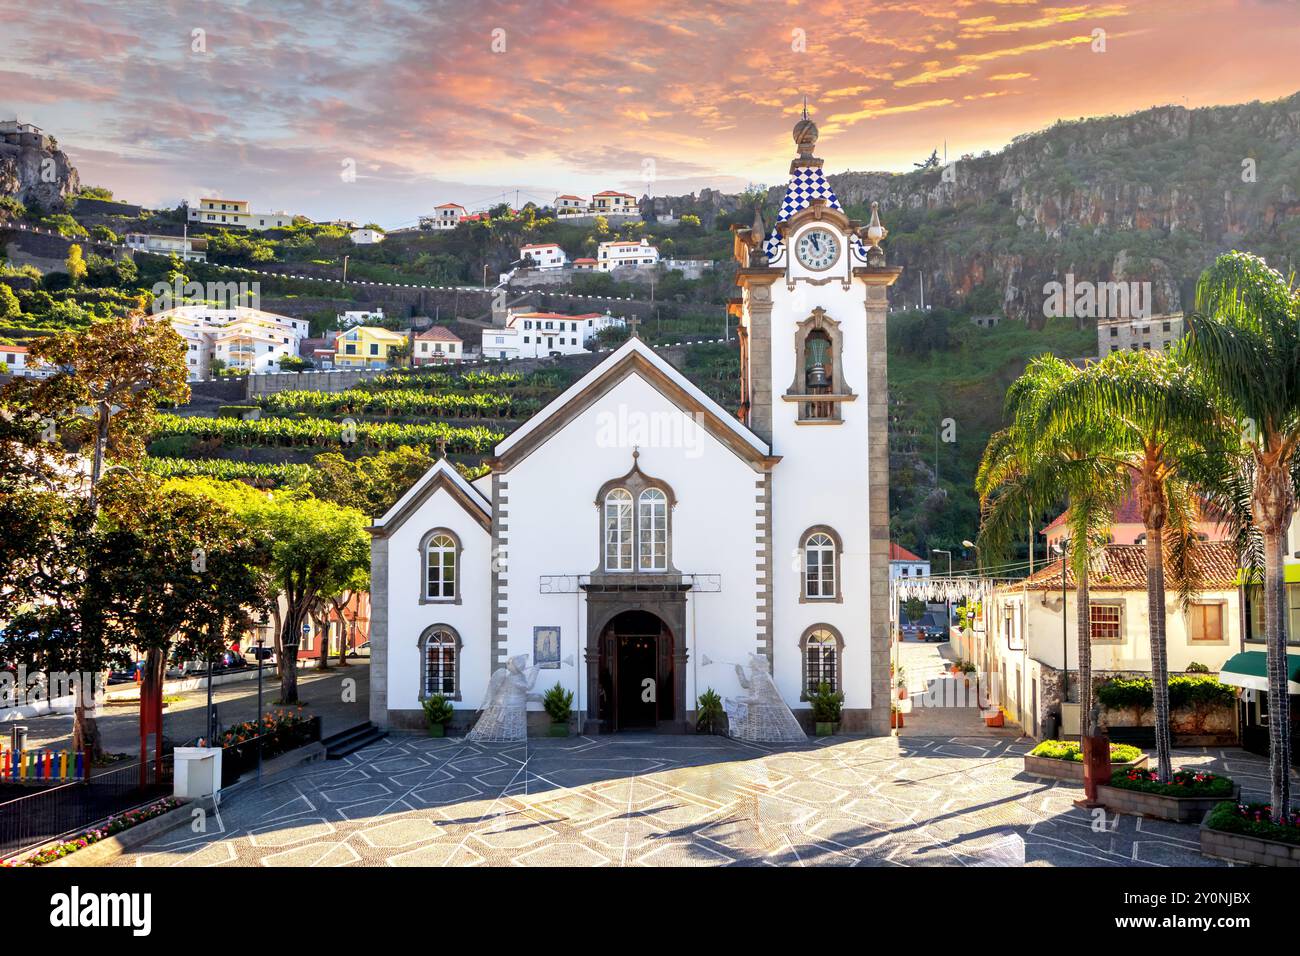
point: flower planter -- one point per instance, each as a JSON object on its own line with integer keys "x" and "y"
{"x": 1071, "y": 770}
{"x": 558, "y": 730}
{"x": 437, "y": 730}
{"x": 1247, "y": 848}
{"x": 1159, "y": 806}
{"x": 825, "y": 728}
{"x": 902, "y": 693}
{"x": 994, "y": 720}
{"x": 895, "y": 719}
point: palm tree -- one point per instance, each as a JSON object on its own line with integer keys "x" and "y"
{"x": 1021, "y": 474}
{"x": 1155, "y": 415}
{"x": 1245, "y": 340}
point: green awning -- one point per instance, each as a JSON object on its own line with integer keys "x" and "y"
{"x": 1250, "y": 669}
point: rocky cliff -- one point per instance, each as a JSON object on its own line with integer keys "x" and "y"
{"x": 36, "y": 172}
{"x": 1150, "y": 197}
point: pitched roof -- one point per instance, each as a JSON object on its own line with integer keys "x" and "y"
{"x": 567, "y": 196}
{"x": 1123, "y": 567}
{"x": 541, "y": 245}
{"x": 633, "y": 357}
{"x": 899, "y": 553}
{"x": 438, "y": 333}
{"x": 1130, "y": 510}
{"x": 556, "y": 315}
{"x": 13, "y": 348}
{"x": 614, "y": 192}
{"x": 443, "y": 474}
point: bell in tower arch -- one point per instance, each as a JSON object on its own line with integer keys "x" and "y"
{"x": 818, "y": 357}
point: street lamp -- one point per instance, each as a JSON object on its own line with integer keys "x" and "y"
{"x": 979, "y": 569}
{"x": 947, "y": 601}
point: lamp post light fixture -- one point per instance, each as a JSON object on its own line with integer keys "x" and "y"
{"x": 979, "y": 568}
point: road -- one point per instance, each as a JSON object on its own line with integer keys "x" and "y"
{"x": 321, "y": 694}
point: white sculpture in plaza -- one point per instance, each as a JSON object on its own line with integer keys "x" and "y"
{"x": 504, "y": 718}
{"x": 761, "y": 716}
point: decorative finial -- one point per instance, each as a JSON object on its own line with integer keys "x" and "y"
{"x": 876, "y": 234}
{"x": 805, "y": 134}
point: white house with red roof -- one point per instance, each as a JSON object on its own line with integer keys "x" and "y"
{"x": 904, "y": 564}
{"x": 541, "y": 334}
{"x": 611, "y": 202}
{"x": 627, "y": 253}
{"x": 435, "y": 345}
{"x": 446, "y": 215}
{"x": 1128, "y": 528}
{"x": 15, "y": 359}
{"x": 545, "y": 255}
{"x": 570, "y": 205}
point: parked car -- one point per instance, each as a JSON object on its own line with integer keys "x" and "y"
{"x": 264, "y": 653}
{"x": 362, "y": 650}
{"x": 933, "y": 635}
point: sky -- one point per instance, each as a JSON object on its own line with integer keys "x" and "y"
{"x": 377, "y": 110}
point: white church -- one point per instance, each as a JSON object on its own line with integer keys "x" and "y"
{"x": 637, "y": 540}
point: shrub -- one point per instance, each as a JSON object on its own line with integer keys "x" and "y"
{"x": 437, "y": 709}
{"x": 826, "y": 704}
{"x": 1185, "y": 690}
{"x": 1254, "y": 819}
{"x": 1069, "y": 750}
{"x": 1183, "y": 783}
{"x": 708, "y": 710}
{"x": 558, "y": 702}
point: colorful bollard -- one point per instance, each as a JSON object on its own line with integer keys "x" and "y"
{"x": 63, "y": 765}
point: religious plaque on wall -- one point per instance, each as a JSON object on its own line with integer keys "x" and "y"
{"x": 546, "y": 647}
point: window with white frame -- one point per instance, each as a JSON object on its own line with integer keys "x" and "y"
{"x": 618, "y": 530}
{"x": 652, "y": 530}
{"x": 819, "y": 566}
{"x": 440, "y": 568}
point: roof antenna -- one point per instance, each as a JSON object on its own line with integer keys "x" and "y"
{"x": 805, "y": 106}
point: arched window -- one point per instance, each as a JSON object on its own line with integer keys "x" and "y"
{"x": 440, "y": 567}
{"x": 618, "y": 530}
{"x": 440, "y": 662}
{"x": 821, "y": 548}
{"x": 819, "y": 566}
{"x": 822, "y": 649}
{"x": 652, "y": 528}
{"x": 440, "y": 551}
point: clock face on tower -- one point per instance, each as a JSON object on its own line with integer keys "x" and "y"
{"x": 817, "y": 249}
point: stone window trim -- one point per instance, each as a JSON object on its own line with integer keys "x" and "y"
{"x": 819, "y": 321}
{"x": 803, "y": 657}
{"x": 635, "y": 482}
{"x": 1120, "y": 603}
{"x": 838, "y": 597}
{"x": 424, "y": 566}
{"x": 427, "y": 633}
{"x": 1223, "y": 622}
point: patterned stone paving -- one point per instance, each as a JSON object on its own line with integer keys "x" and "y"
{"x": 685, "y": 801}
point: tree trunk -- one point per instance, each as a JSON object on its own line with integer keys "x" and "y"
{"x": 1279, "y": 716}
{"x": 1159, "y": 650}
{"x": 291, "y": 630}
{"x": 1084, "y": 634}
{"x": 85, "y": 729}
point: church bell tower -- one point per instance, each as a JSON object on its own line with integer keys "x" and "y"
{"x": 811, "y": 323}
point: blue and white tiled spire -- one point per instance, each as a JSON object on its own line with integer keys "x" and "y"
{"x": 807, "y": 182}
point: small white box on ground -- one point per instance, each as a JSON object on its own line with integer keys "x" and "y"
{"x": 197, "y": 771}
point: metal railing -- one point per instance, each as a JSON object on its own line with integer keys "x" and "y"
{"x": 30, "y": 817}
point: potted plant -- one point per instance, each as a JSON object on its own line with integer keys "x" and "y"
{"x": 437, "y": 711}
{"x": 708, "y": 712}
{"x": 966, "y": 669}
{"x": 994, "y": 718}
{"x": 900, "y": 682}
{"x": 895, "y": 716}
{"x": 558, "y": 702}
{"x": 826, "y": 706}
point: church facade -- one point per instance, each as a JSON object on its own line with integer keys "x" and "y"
{"x": 637, "y": 540}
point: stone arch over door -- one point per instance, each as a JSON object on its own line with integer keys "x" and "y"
{"x": 603, "y": 608}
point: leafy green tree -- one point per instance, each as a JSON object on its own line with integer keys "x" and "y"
{"x": 112, "y": 378}
{"x": 9, "y": 305}
{"x": 914, "y": 608}
{"x": 1021, "y": 475}
{"x": 1156, "y": 415}
{"x": 75, "y": 265}
{"x": 317, "y": 549}
{"x": 1245, "y": 340}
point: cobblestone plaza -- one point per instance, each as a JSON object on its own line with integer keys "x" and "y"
{"x": 682, "y": 800}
